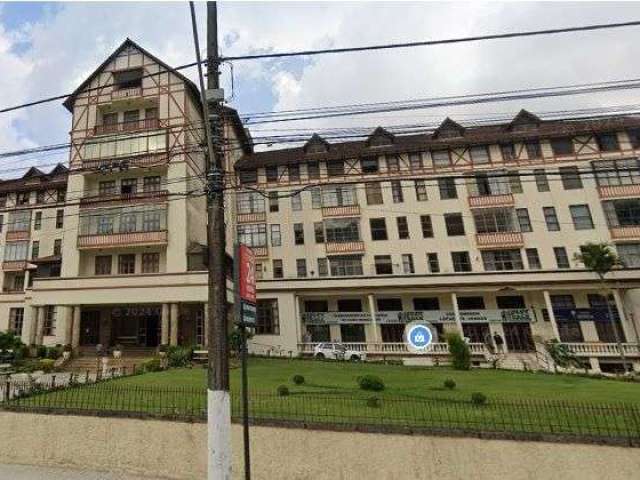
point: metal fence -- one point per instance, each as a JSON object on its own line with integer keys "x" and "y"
{"x": 534, "y": 418}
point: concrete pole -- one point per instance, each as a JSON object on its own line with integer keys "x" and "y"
{"x": 174, "y": 324}
{"x": 75, "y": 332}
{"x": 552, "y": 315}
{"x": 41, "y": 318}
{"x": 33, "y": 328}
{"x": 374, "y": 323}
{"x": 164, "y": 325}
{"x": 68, "y": 324}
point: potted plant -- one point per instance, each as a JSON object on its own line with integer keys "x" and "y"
{"x": 117, "y": 351}
{"x": 67, "y": 350}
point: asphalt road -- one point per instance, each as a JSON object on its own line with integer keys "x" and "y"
{"x": 21, "y": 472}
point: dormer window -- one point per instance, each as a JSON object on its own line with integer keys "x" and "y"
{"x": 608, "y": 142}
{"x": 316, "y": 144}
{"x": 562, "y": 146}
{"x": 248, "y": 177}
{"x": 380, "y": 138}
{"x": 22, "y": 198}
{"x": 271, "y": 172}
{"x": 524, "y": 121}
{"x": 369, "y": 164}
{"x": 449, "y": 129}
{"x": 128, "y": 79}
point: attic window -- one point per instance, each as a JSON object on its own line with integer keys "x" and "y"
{"x": 128, "y": 79}
{"x": 449, "y": 133}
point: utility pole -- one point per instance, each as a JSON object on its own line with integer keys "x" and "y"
{"x": 218, "y": 397}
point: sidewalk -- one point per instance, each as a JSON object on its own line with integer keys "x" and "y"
{"x": 21, "y": 472}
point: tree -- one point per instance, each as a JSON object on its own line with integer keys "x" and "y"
{"x": 561, "y": 355}
{"x": 601, "y": 259}
{"x": 460, "y": 352}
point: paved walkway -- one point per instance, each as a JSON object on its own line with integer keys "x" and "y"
{"x": 21, "y": 472}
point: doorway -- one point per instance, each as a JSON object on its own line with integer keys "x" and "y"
{"x": 90, "y": 328}
{"x": 518, "y": 337}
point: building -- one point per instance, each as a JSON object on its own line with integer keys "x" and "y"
{"x": 473, "y": 229}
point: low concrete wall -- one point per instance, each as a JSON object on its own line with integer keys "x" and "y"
{"x": 177, "y": 450}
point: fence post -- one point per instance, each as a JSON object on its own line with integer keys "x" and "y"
{"x": 53, "y": 382}
{"x": 8, "y": 392}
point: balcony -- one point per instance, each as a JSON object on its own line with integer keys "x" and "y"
{"x": 133, "y": 239}
{"x": 499, "y": 240}
{"x": 345, "y": 247}
{"x": 257, "y": 217}
{"x": 14, "y": 265}
{"x": 125, "y": 93}
{"x": 139, "y": 198}
{"x": 510, "y": 315}
{"x": 631, "y": 232}
{"x": 491, "y": 201}
{"x": 392, "y": 348}
{"x": 140, "y": 160}
{"x": 260, "y": 252}
{"x": 134, "y": 126}
{"x": 344, "y": 211}
{"x": 17, "y": 235}
{"x": 619, "y": 191}
{"x": 603, "y": 349}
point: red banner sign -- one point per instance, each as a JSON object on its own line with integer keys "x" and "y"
{"x": 247, "y": 277}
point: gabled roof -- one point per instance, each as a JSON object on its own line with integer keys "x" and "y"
{"x": 59, "y": 169}
{"x": 316, "y": 144}
{"x": 191, "y": 87}
{"x": 56, "y": 178}
{"x": 446, "y": 126}
{"x": 33, "y": 172}
{"x": 524, "y": 117}
{"x": 380, "y": 136}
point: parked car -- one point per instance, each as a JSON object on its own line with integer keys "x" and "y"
{"x": 337, "y": 351}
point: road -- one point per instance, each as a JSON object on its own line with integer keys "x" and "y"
{"x": 20, "y": 472}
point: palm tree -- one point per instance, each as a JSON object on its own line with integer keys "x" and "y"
{"x": 601, "y": 259}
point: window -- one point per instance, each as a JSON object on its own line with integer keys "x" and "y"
{"x": 581, "y": 216}
{"x": 323, "y": 267}
{"x": 103, "y": 265}
{"x": 274, "y": 206}
{"x": 551, "y": 219}
{"x": 617, "y": 172}
{"x": 126, "y": 264}
{"x": 59, "y": 218}
{"x": 426, "y": 304}
{"x": 1, "y": 222}
{"x": 562, "y": 146}
{"x": 533, "y": 259}
{"x": 294, "y": 173}
{"x": 318, "y": 230}
{"x": 49, "y": 327}
{"x": 128, "y": 78}
{"x": 415, "y": 161}
{"x": 629, "y": 254}
{"x": 396, "y": 191}
{"x": 40, "y": 196}
{"x": 634, "y": 137}
{"x": 494, "y": 220}
{"x": 339, "y": 196}
{"x": 151, "y": 221}
{"x": 480, "y": 154}
{"x": 150, "y": 113}
{"x": 342, "y": 230}
{"x": 369, "y": 164}
{"x": 454, "y": 224}
{"x": 427, "y": 227}
{"x": 335, "y": 168}
{"x": 313, "y": 170}
{"x": 570, "y": 178}
{"x": 3, "y": 200}
{"x": 271, "y": 172}
{"x": 562, "y": 259}
{"x": 19, "y": 221}
{"x": 276, "y": 237}
{"x": 131, "y": 117}
{"x": 128, "y": 223}
{"x": 378, "y": 229}
{"x": 499, "y": 260}
{"x": 296, "y": 202}
{"x": 608, "y": 142}
{"x": 508, "y": 152}
{"x": 151, "y": 184}
{"x": 403, "y": 228}
{"x": 104, "y": 225}
{"x": 278, "y": 270}
{"x": 35, "y": 249}
{"x": 493, "y": 183}
{"x": 421, "y": 190}
{"x": 253, "y": 235}
{"x": 541, "y": 180}
{"x": 248, "y": 177}
{"x": 150, "y": 262}
{"x": 622, "y": 213}
{"x": 471, "y": 303}
{"x": 383, "y": 264}
{"x": 298, "y": 233}
{"x": 301, "y": 267}
{"x": 533, "y": 149}
{"x": 16, "y": 320}
{"x": 16, "y": 251}
{"x": 461, "y": 261}
{"x": 524, "y": 221}
{"x": 441, "y": 158}
{"x": 447, "y": 187}
{"x": 345, "y": 265}
{"x": 22, "y": 198}
{"x": 316, "y": 198}
{"x": 407, "y": 263}
{"x": 393, "y": 163}
{"x": 432, "y": 262}
{"x": 373, "y": 191}
{"x": 37, "y": 221}
{"x": 267, "y": 321}
{"x": 249, "y": 202}
{"x": 129, "y": 186}
{"x": 514, "y": 182}
{"x": 107, "y": 187}
{"x": 61, "y": 194}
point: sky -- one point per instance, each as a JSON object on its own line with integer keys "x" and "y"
{"x": 49, "y": 48}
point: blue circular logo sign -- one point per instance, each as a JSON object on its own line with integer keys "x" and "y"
{"x": 418, "y": 337}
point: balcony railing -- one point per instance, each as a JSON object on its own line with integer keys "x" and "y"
{"x": 124, "y": 93}
{"x": 510, "y": 315}
{"x": 260, "y": 251}
{"x": 619, "y": 191}
{"x": 257, "y": 217}
{"x": 345, "y": 211}
{"x": 133, "y": 126}
{"x": 499, "y": 240}
{"x": 123, "y": 239}
{"x": 391, "y": 348}
{"x": 138, "y": 160}
{"x": 603, "y": 349}
{"x": 17, "y": 235}
{"x": 631, "y": 232}
{"x": 345, "y": 247}
{"x": 489, "y": 201}
{"x": 14, "y": 265}
{"x": 119, "y": 199}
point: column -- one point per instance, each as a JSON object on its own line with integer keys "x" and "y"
{"x": 164, "y": 326}
{"x": 75, "y": 331}
{"x": 174, "y": 324}
{"x": 374, "y": 323}
{"x": 42, "y": 311}
{"x": 552, "y": 315}
{"x": 33, "y": 330}
{"x": 298, "y": 320}
{"x": 456, "y": 313}
{"x": 206, "y": 324}
{"x": 626, "y": 328}
{"x": 67, "y": 315}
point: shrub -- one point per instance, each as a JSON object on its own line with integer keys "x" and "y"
{"x": 46, "y": 365}
{"x": 371, "y": 382}
{"x": 152, "y": 365}
{"x": 283, "y": 391}
{"x": 374, "y": 402}
{"x": 449, "y": 384}
{"x": 298, "y": 379}
{"x": 459, "y": 350}
{"x": 235, "y": 339}
{"x": 478, "y": 398}
{"x": 178, "y": 357}
{"x": 67, "y": 348}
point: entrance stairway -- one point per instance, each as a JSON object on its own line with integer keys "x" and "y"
{"x": 87, "y": 360}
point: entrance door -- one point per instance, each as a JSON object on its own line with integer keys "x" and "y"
{"x": 90, "y": 328}
{"x": 476, "y": 332}
{"x": 518, "y": 337}
{"x": 152, "y": 323}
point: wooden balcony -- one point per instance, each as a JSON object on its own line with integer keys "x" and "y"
{"x": 619, "y": 191}
{"x": 346, "y": 211}
{"x": 135, "y": 126}
{"x": 345, "y": 247}
{"x": 126, "y": 93}
{"x": 122, "y": 199}
{"x": 260, "y": 252}
{"x": 14, "y": 266}
{"x": 259, "y": 217}
{"x": 87, "y": 242}
{"x": 143, "y": 160}
{"x": 491, "y": 201}
{"x": 18, "y": 235}
{"x": 625, "y": 233}
{"x": 499, "y": 240}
